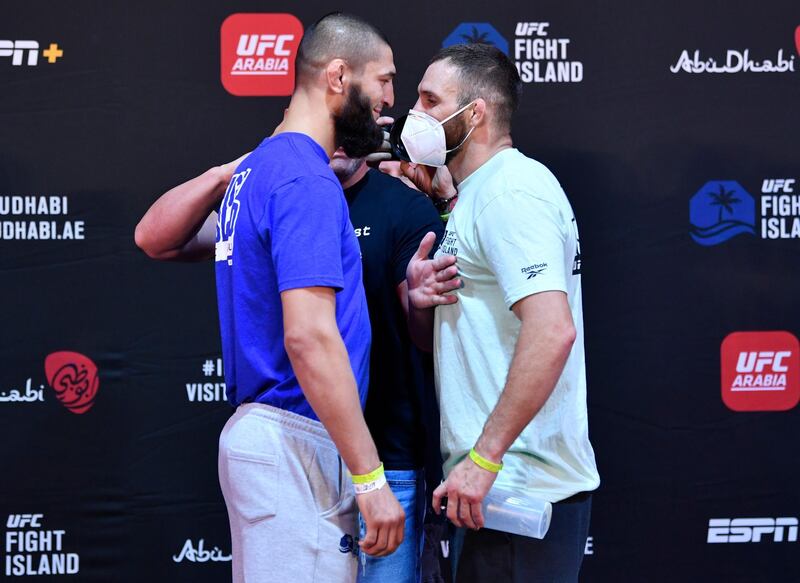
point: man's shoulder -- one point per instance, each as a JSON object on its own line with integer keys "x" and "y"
{"x": 392, "y": 196}
{"x": 386, "y": 186}
{"x": 522, "y": 172}
{"x": 270, "y": 182}
{"x": 520, "y": 175}
{"x": 291, "y": 158}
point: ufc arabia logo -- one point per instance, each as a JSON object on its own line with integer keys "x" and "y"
{"x": 760, "y": 371}
{"x": 257, "y": 44}
{"x": 752, "y": 530}
{"x": 258, "y": 52}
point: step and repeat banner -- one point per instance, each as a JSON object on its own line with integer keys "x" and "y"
{"x": 675, "y": 131}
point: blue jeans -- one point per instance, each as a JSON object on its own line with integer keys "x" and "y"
{"x": 403, "y": 565}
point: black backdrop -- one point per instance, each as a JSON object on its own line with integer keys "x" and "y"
{"x": 126, "y": 490}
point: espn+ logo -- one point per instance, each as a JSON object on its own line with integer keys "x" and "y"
{"x": 18, "y": 50}
{"x": 751, "y": 530}
{"x": 760, "y": 371}
{"x": 258, "y": 53}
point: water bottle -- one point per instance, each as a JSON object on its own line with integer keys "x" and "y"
{"x": 516, "y": 513}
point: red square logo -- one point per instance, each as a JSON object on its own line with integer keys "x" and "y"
{"x": 258, "y": 52}
{"x": 760, "y": 371}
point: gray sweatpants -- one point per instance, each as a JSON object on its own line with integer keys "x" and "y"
{"x": 290, "y": 501}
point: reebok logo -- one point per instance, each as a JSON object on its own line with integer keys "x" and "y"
{"x": 534, "y": 270}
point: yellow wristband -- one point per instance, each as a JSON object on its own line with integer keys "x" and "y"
{"x": 370, "y": 477}
{"x": 482, "y": 462}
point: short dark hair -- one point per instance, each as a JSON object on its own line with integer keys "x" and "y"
{"x": 485, "y": 71}
{"x": 337, "y": 35}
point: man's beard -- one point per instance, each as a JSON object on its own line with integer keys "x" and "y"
{"x": 355, "y": 129}
{"x": 455, "y": 131}
{"x": 345, "y": 168}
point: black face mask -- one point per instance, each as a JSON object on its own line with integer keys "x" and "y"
{"x": 356, "y": 130}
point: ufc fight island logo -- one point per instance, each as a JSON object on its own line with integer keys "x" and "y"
{"x": 258, "y": 53}
{"x": 752, "y": 530}
{"x": 760, "y": 371}
{"x": 33, "y": 548}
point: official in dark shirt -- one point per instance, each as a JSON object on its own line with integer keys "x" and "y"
{"x": 390, "y": 219}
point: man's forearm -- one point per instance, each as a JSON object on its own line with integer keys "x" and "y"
{"x": 539, "y": 359}
{"x": 420, "y": 327}
{"x": 322, "y": 366}
{"x": 178, "y": 215}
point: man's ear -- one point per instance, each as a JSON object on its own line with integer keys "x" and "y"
{"x": 336, "y": 74}
{"x": 478, "y": 114}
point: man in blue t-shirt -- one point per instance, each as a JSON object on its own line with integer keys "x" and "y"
{"x": 390, "y": 219}
{"x": 294, "y": 325}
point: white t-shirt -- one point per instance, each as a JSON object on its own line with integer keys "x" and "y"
{"x": 515, "y": 235}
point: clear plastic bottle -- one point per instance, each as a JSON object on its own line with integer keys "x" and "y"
{"x": 517, "y": 513}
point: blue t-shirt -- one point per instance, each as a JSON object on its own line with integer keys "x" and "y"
{"x": 284, "y": 224}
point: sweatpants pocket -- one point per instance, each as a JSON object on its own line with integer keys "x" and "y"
{"x": 253, "y": 483}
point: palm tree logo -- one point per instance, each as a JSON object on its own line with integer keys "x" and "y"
{"x": 476, "y": 37}
{"x": 724, "y": 199}
{"x": 735, "y": 212}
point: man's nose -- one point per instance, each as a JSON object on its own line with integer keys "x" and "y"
{"x": 388, "y": 96}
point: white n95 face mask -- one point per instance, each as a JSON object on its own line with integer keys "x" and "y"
{"x": 424, "y": 139}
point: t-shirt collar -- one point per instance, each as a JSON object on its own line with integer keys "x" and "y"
{"x": 303, "y": 137}
{"x": 487, "y": 167}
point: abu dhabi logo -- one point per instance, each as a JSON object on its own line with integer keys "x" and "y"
{"x": 476, "y": 32}
{"x": 736, "y": 61}
{"x": 721, "y": 209}
{"x": 74, "y": 378}
{"x": 200, "y": 554}
{"x": 797, "y": 39}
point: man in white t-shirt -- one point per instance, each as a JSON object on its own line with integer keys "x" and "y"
{"x": 508, "y": 344}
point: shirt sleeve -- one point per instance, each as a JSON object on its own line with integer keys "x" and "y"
{"x": 418, "y": 219}
{"x": 303, "y": 228}
{"x": 523, "y": 239}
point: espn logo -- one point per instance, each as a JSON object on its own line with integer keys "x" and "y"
{"x": 17, "y": 49}
{"x": 760, "y": 371}
{"x": 750, "y": 530}
{"x": 258, "y": 52}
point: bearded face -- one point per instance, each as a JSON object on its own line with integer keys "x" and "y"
{"x": 355, "y": 129}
